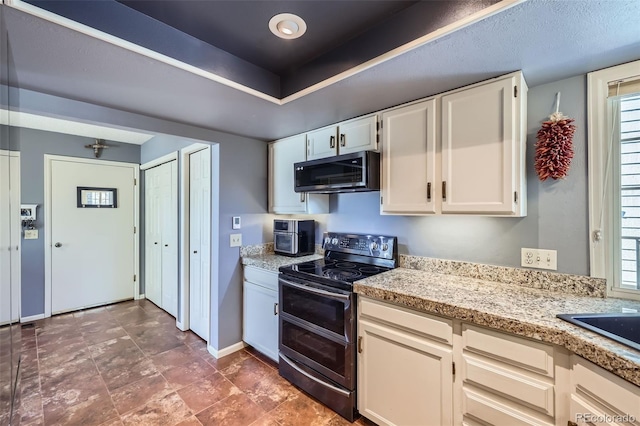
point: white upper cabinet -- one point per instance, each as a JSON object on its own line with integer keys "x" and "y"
{"x": 359, "y": 134}
{"x": 483, "y": 148}
{"x": 322, "y": 143}
{"x": 409, "y": 163}
{"x": 283, "y": 199}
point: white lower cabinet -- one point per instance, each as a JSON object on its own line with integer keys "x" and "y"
{"x": 260, "y": 310}
{"x": 405, "y": 361}
{"x": 599, "y": 397}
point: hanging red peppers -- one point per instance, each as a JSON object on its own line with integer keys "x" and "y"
{"x": 554, "y": 148}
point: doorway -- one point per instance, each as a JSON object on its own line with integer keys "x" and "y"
{"x": 91, "y": 244}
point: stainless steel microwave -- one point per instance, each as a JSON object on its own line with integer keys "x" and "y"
{"x": 292, "y": 237}
{"x": 359, "y": 171}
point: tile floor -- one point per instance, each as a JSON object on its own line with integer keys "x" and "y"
{"x": 127, "y": 364}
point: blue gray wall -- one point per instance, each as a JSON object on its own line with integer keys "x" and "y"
{"x": 33, "y": 145}
{"x": 557, "y": 215}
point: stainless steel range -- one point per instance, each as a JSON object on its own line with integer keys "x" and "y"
{"x": 318, "y": 316}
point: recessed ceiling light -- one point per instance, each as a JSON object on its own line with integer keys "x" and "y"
{"x": 287, "y": 25}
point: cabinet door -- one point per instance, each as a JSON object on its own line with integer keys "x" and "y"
{"x": 403, "y": 379}
{"x": 409, "y": 159}
{"x": 322, "y": 143}
{"x": 260, "y": 319}
{"x": 480, "y": 143}
{"x": 358, "y": 135}
{"x": 282, "y": 155}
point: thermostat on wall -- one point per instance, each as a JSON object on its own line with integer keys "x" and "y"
{"x": 236, "y": 222}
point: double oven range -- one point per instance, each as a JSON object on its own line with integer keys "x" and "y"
{"x": 317, "y": 347}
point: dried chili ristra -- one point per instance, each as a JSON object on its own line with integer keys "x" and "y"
{"x": 554, "y": 147}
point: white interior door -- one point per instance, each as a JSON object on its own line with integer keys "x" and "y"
{"x": 200, "y": 241}
{"x": 153, "y": 237}
{"x": 169, "y": 227}
{"x": 10, "y": 234}
{"x": 93, "y": 249}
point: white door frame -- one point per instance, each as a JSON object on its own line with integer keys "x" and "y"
{"x": 48, "y": 159}
{"x": 183, "y": 322}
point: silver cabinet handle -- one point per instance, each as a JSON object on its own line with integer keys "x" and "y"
{"x": 327, "y": 385}
{"x": 58, "y": 245}
{"x": 275, "y": 309}
{"x": 428, "y": 191}
{"x": 343, "y": 139}
{"x": 332, "y": 142}
{"x": 302, "y": 197}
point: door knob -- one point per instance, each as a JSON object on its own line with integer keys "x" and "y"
{"x": 166, "y": 245}
{"x": 195, "y": 252}
{"x": 58, "y": 245}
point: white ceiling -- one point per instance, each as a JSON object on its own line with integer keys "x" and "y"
{"x": 548, "y": 40}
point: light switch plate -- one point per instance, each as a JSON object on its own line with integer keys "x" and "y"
{"x": 30, "y": 234}
{"x": 235, "y": 240}
{"x": 539, "y": 258}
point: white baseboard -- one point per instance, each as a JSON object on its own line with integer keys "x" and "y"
{"x": 32, "y": 318}
{"x": 140, "y": 296}
{"x": 181, "y": 326}
{"x": 226, "y": 351}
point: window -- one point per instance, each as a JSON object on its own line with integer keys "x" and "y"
{"x": 614, "y": 177}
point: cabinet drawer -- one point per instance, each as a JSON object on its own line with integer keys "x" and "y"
{"x": 525, "y": 389}
{"x": 263, "y": 277}
{"x": 428, "y": 325}
{"x": 519, "y": 352}
{"x": 493, "y": 412}
{"x": 602, "y": 389}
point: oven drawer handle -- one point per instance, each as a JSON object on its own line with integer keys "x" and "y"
{"x": 317, "y": 291}
{"x": 309, "y": 376}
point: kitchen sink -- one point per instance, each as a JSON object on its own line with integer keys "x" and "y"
{"x": 623, "y": 328}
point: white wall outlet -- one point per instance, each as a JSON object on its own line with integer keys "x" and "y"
{"x": 539, "y": 258}
{"x": 235, "y": 240}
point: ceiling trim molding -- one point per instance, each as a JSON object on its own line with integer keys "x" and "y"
{"x": 100, "y": 35}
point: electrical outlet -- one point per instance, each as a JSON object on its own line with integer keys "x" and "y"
{"x": 539, "y": 258}
{"x": 235, "y": 240}
{"x": 30, "y": 234}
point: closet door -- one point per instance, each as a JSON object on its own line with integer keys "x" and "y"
{"x": 199, "y": 241}
{"x": 161, "y": 236}
{"x": 10, "y": 234}
{"x": 169, "y": 228}
{"x": 153, "y": 237}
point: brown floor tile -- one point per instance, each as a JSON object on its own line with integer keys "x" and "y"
{"x": 262, "y": 357}
{"x": 266, "y": 420}
{"x": 133, "y": 395}
{"x": 185, "y": 374}
{"x": 271, "y": 391}
{"x": 236, "y": 410}
{"x": 246, "y": 373}
{"x": 181, "y": 355}
{"x": 127, "y": 374}
{"x": 301, "y": 410}
{"x": 206, "y": 392}
{"x": 72, "y": 375}
{"x": 229, "y": 360}
{"x": 79, "y": 406}
{"x": 100, "y": 335}
{"x": 52, "y": 356}
{"x": 191, "y": 421}
{"x": 168, "y": 410}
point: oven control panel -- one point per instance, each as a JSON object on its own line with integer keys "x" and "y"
{"x": 367, "y": 245}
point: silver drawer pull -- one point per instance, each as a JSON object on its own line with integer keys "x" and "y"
{"x": 309, "y": 376}
{"x": 317, "y": 291}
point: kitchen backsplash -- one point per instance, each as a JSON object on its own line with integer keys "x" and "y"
{"x": 552, "y": 281}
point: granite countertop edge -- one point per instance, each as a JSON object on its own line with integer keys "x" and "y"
{"x": 498, "y": 306}
{"x": 272, "y": 262}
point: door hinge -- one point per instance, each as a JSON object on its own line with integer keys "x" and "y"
{"x": 135, "y": 181}
{"x": 381, "y": 123}
{"x": 515, "y": 91}
{"x": 515, "y": 196}
{"x": 134, "y": 277}
{"x": 380, "y": 200}
{"x": 135, "y": 229}
{"x": 453, "y": 368}
{"x": 360, "y": 344}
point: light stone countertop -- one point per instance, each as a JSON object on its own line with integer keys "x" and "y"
{"x": 272, "y": 262}
{"x": 511, "y": 308}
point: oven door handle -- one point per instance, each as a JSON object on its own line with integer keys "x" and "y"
{"x": 317, "y": 290}
{"x": 309, "y": 376}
